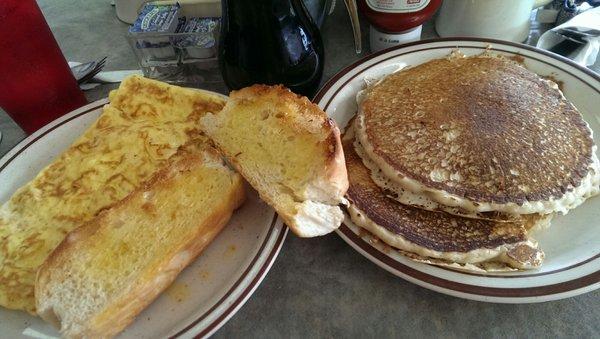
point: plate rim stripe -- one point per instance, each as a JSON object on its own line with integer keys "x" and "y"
{"x": 258, "y": 254}
{"x": 444, "y": 47}
{"x": 519, "y": 292}
{"x": 36, "y": 139}
{"x": 566, "y": 268}
{"x": 241, "y": 300}
{"x": 321, "y": 93}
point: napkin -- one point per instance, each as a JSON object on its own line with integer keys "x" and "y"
{"x": 577, "y": 39}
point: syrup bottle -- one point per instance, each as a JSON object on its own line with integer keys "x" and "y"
{"x": 270, "y": 42}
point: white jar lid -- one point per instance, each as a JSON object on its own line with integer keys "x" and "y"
{"x": 380, "y": 40}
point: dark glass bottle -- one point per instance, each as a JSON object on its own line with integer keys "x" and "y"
{"x": 270, "y": 42}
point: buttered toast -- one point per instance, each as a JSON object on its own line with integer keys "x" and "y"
{"x": 288, "y": 150}
{"x": 106, "y": 271}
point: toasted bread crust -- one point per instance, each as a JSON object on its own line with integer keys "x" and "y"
{"x": 305, "y": 118}
{"x": 140, "y": 293}
{"x": 312, "y": 116}
{"x": 336, "y": 172}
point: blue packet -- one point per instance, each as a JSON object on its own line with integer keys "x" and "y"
{"x": 201, "y": 41}
{"x": 151, "y": 22}
{"x": 157, "y": 19}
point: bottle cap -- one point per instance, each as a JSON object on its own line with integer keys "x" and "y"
{"x": 380, "y": 40}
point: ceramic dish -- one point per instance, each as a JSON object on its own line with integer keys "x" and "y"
{"x": 205, "y": 295}
{"x": 571, "y": 244}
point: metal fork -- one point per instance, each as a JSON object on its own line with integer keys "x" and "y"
{"x": 86, "y": 71}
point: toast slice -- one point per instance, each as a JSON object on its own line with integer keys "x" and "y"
{"x": 108, "y": 270}
{"x": 288, "y": 150}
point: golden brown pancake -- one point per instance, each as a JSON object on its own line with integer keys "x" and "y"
{"x": 435, "y": 235}
{"x": 482, "y": 133}
{"x": 405, "y": 197}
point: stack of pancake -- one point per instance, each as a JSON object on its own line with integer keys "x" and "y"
{"x": 455, "y": 160}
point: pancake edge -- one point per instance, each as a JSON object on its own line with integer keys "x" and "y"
{"x": 477, "y": 256}
{"x": 417, "y": 200}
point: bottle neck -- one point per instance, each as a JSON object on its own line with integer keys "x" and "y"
{"x": 256, "y": 12}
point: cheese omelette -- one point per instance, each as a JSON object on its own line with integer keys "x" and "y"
{"x": 145, "y": 123}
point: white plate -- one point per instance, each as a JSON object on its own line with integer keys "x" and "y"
{"x": 205, "y": 295}
{"x": 571, "y": 244}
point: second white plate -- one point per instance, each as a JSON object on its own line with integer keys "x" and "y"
{"x": 571, "y": 244}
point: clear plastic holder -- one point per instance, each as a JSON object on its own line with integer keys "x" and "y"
{"x": 179, "y": 58}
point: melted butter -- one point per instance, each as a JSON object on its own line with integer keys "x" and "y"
{"x": 230, "y": 251}
{"x": 204, "y": 275}
{"x": 178, "y": 292}
{"x": 266, "y": 127}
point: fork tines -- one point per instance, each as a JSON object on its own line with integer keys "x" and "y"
{"x": 97, "y": 68}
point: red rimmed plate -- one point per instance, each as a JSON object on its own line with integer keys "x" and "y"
{"x": 205, "y": 295}
{"x": 571, "y": 244}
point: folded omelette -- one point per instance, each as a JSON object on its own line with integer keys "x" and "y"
{"x": 144, "y": 124}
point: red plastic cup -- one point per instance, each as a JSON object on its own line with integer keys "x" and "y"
{"x": 36, "y": 83}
